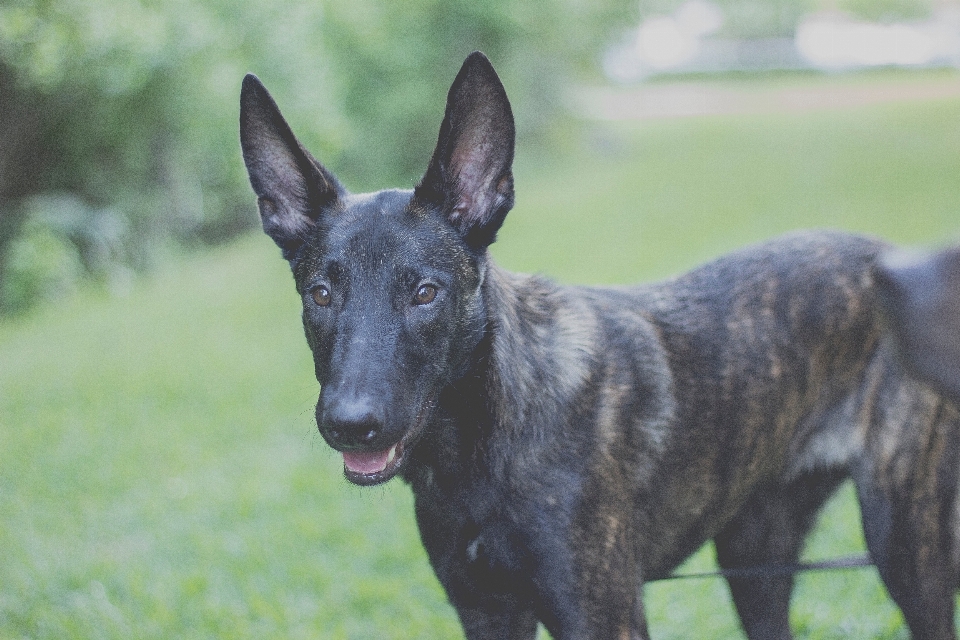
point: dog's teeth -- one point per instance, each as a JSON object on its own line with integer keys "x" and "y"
{"x": 392, "y": 454}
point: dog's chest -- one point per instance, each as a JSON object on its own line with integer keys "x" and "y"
{"x": 478, "y": 549}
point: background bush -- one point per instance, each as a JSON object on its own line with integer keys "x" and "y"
{"x": 118, "y": 134}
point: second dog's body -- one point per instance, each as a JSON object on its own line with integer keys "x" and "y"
{"x": 565, "y": 444}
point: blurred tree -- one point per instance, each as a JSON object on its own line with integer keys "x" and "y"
{"x": 118, "y": 118}
{"x": 117, "y": 127}
{"x": 396, "y": 61}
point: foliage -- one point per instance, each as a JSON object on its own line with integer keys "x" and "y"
{"x": 127, "y": 110}
{"x": 125, "y": 114}
{"x": 401, "y": 57}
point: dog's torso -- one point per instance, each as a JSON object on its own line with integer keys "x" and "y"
{"x": 567, "y": 443}
{"x": 647, "y": 415}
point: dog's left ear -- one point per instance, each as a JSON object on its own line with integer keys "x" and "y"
{"x": 470, "y": 175}
{"x": 292, "y": 188}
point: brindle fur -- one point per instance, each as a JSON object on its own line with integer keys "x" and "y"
{"x": 566, "y": 443}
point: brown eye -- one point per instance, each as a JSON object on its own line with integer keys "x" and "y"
{"x": 426, "y": 293}
{"x": 321, "y": 295}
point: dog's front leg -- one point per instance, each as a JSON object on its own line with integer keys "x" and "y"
{"x": 478, "y": 562}
{"x": 589, "y": 585}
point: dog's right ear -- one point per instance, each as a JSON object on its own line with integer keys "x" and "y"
{"x": 292, "y": 187}
{"x": 470, "y": 177}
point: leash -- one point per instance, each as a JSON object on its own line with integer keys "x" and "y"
{"x": 846, "y": 562}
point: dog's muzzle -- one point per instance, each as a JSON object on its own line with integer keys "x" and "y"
{"x": 356, "y": 430}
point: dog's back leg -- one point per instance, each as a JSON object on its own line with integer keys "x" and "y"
{"x": 770, "y": 530}
{"x": 907, "y": 486}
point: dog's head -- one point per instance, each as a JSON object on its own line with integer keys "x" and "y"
{"x": 390, "y": 281}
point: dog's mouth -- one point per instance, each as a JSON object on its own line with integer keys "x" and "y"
{"x": 366, "y": 468}
{"x": 373, "y": 467}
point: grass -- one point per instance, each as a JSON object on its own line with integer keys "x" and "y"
{"x": 160, "y": 475}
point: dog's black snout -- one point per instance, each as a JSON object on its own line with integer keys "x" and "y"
{"x": 351, "y": 423}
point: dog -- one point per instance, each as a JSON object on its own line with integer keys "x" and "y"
{"x": 565, "y": 444}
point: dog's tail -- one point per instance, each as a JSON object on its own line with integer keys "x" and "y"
{"x": 920, "y": 295}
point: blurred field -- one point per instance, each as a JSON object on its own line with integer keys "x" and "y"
{"x": 160, "y": 474}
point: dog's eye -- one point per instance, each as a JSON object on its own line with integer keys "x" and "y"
{"x": 321, "y": 295}
{"x": 426, "y": 293}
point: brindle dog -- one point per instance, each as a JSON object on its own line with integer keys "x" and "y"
{"x": 565, "y": 443}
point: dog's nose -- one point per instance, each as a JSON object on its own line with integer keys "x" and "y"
{"x": 350, "y": 422}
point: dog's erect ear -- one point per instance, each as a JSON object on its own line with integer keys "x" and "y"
{"x": 292, "y": 188}
{"x": 470, "y": 175}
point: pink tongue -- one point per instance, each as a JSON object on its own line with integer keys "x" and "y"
{"x": 366, "y": 462}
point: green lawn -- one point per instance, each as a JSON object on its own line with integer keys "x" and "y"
{"x": 160, "y": 474}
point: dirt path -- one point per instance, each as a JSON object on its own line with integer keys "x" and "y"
{"x": 688, "y": 99}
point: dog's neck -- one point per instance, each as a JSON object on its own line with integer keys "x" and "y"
{"x": 503, "y": 397}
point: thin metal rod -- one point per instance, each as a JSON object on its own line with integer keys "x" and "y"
{"x": 846, "y": 562}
